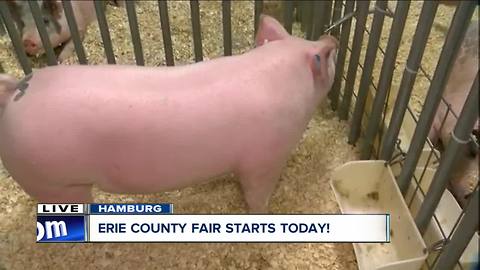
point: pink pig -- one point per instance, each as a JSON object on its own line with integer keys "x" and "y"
{"x": 131, "y": 129}
{"x": 465, "y": 174}
{"x": 55, "y": 22}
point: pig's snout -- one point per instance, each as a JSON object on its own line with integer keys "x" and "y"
{"x": 330, "y": 41}
{"x": 31, "y": 47}
{"x": 330, "y": 44}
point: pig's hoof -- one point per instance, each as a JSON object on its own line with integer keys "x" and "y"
{"x": 258, "y": 211}
{"x": 61, "y": 58}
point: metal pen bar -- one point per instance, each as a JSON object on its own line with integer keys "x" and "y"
{"x": 227, "y": 27}
{"x": 72, "y": 25}
{"x": 455, "y": 36}
{"x": 461, "y": 237}
{"x": 297, "y": 12}
{"x": 361, "y": 19}
{"x": 386, "y": 75}
{"x": 166, "y": 35}
{"x": 318, "y": 11}
{"x": 369, "y": 63}
{"x": 104, "y": 32}
{"x": 288, "y": 15}
{"x": 2, "y": 27}
{"x": 337, "y": 12}
{"x": 258, "y": 9}
{"x": 297, "y": 7}
{"x": 449, "y": 159}
{"x": 327, "y": 15}
{"x": 309, "y": 19}
{"x": 334, "y": 93}
{"x": 15, "y": 38}
{"x": 42, "y": 31}
{"x": 302, "y": 7}
{"x": 134, "y": 32}
{"x": 197, "y": 32}
{"x": 419, "y": 42}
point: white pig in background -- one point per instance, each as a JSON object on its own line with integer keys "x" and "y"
{"x": 465, "y": 174}
{"x": 151, "y": 129}
{"x": 56, "y": 24}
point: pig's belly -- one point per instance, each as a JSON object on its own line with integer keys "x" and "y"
{"x": 159, "y": 146}
{"x": 160, "y": 165}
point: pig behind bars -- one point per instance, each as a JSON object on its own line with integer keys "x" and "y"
{"x": 465, "y": 174}
{"x": 55, "y": 22}
{"x": 53, "y": 16}
{"x": 150, "y": 129}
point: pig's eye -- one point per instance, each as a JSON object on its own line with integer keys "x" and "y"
{"x": 46, "y": 20}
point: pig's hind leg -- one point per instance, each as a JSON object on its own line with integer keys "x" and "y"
{"x": 258, "y": 182}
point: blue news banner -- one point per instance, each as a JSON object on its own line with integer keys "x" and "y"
{"x": 157, "y": 223}
{"x": 69, "y": 222}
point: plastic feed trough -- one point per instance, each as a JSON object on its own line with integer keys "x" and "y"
{"x": 369, "y": 187}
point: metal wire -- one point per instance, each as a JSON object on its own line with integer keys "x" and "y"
{"x": 350, "y": 15}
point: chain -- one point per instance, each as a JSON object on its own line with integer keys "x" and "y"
{"x": 23, "y": 85}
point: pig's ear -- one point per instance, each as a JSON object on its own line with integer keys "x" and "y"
{"x": 53, "y": 7}
{"x": 269, "y": 29}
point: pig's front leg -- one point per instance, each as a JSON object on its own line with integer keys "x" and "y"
{"x": 67, "y": 51}
{"x": 51, "y": 193}
{"x": 69, "y": 47}
{"x": 462, "y": 188}
{"x": 434, "y": 133}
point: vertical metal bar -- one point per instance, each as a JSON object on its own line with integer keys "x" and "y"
{"x": 449, "y": 159}
{"x": 327, "y": 15}
{"x": 72, "y": 24}
{"x": 318, "y": 11}
{"x": 386, "y": 75}
{"x": 288, "y": 15}
{"x": 337, "y": 12}
{"x": 334, "y": 93}
{"x": 227, "y": 27}
{"x": 134, "y": 32}
{"x": 2, "y": 27}
{"x": 362, "y": 12}
{"x": 298, "y": 11}
{"x": 42, "y": 31}
{"x": 302, "y": 6}
{"x": 197, "y": 32}
{"x": 462, "y": 236}
{"x": 258, "y": 9}
{"x": 425, "y": 23}
{"x": 166, "y": 35}
{"x": 368, "y": 65}
{"x": 455, "y": 36}
{"x": 103, "y": 26}
{"x": 322, "y": 14}
{"x": 15, "y": 38}
{"x": 309, "y": 19}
